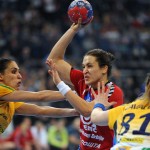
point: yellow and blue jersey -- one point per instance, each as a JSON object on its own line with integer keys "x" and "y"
{"x": 7, "y": 109}
{"x": 131, "y": 123}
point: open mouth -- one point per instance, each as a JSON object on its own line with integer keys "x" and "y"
{"x": 86, "y": 77}
{"x": 18, "y": 84}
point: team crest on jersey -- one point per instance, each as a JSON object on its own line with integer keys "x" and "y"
{"x": 85, "y": 120}
{"x": 88, "y": 126}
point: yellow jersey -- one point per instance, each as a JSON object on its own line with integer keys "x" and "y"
{"x": 131, "y": 124}
{"x": 7, "y": 109}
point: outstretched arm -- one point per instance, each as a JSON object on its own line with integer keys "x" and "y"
{"x": 35, "y": 110}
{"x": 58, "y": 51}
{"x": 23, "y": 96}
{"x": 83, "y": 107}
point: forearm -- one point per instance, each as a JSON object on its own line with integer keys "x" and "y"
{"x": 95, "y": 115}
{"x": 83, "y": 107}
{"x": 35, "y": 110}
{"x": 99, "y": 117}
{"x": 59, "y": 49}
{"x": 58, "y": 112}
{"x": 48, "y": 95}
{"x": 24, "y": 96}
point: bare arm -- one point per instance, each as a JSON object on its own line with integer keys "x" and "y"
{"x": 46, "y": 95}
{"x": 35, "y": 110}
{"x": 99, "y": 117}
{"x": 83, "y": 107}
{"x": 58, "y": 52}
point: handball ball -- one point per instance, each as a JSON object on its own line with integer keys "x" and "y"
{"x": 80, "y": 9}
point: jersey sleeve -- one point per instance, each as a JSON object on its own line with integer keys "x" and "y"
{"x": 118, "y": 96}
{"x": 76, "y": 76}
{"x": 113, "y": 115}
{"x": 4, "y": 90}
{"x": 18, "y": 104}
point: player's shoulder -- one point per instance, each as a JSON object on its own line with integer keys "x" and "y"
{"x": 75, "y": 73}
{"x": 114, "y": 87}
{"x": 117, "y": 88}
{"x": 5, "y": 87}
{"x": 116, "y": 91}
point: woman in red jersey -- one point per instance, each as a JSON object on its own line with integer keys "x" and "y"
{"x": 97, "y": 65}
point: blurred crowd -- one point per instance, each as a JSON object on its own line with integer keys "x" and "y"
{"x": 56, "y": 134}
{"x": 30, "y": 28}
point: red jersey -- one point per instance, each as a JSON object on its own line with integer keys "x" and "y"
{"x": 94, "y": 137}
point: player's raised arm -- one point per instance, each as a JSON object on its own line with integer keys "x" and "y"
{"x": 64, "y": 69}
{"x": 80, "y": 13}
{"x": 58, "y": 51}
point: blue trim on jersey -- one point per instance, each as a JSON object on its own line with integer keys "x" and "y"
{"x": 114, "y": 140}
{"x": 88, "y": 97}
{"x": 115, "y": 134}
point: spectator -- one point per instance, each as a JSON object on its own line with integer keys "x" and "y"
{"x": 39, "y": 133}
{"x": 74, "y": 134}
{"x": 58, "y": 135}
{"x": 22, "y": 137}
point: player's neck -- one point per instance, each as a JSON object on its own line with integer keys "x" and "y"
{"x": 95, "y": 86}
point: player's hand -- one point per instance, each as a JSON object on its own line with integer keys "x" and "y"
{"x": 77, "y": 26}
{"x": 102, "y": 96}
{"x": 53, "y": 72}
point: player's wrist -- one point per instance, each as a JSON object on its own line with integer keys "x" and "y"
{"x": 99, "y": 105}
{"x": 63, "y": 88}
{"x": 73, "y": 30}
{"x": 57, "y": 82}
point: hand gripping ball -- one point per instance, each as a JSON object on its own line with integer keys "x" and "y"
{"x": 80, "y": 9}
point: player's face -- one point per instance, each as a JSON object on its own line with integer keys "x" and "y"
{"x": 92, "y": 72}
{"x": 11, "y": 76}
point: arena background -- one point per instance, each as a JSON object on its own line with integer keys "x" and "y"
{"x": 30, "y": 28}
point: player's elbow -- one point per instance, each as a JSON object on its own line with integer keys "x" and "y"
{"x": 55, "y": 58}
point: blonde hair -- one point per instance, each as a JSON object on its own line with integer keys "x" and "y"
{"x": 146, "y": 94}
{"x": 148, "y": 86}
